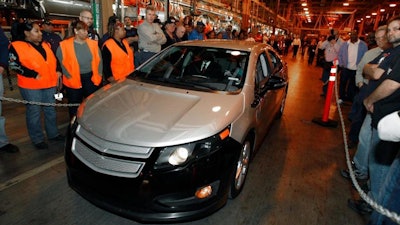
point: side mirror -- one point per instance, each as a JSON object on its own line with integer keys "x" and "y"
{"x": 276, "y": 82}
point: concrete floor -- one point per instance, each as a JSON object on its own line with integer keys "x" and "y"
{"x": 294, "y": 178}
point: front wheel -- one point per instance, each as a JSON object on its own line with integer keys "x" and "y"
{"x": 283, "y": 103}
{"x": 242, "y": 167}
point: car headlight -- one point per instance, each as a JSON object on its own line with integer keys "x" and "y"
{"x": 179, "y": 156}
{"x": 182, "y": 154}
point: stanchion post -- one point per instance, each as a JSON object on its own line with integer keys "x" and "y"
{"x": 325, "y": 121}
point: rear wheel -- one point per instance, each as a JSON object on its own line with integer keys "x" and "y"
{"x": 283, "y": 103}
{"x": 242, "y": 167}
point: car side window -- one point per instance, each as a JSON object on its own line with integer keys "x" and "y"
{"x": 275, "y": 60}
{"x": 262, "y": 67}
{"x": 262, "y": 71}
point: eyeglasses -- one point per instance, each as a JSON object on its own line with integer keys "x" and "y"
{"x": 89, "y": 18}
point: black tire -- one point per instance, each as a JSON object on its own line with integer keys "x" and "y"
{"x": 283, "y": 103}
{"x": 241, "y": 169}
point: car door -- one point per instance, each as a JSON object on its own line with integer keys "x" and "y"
{"x": 278, "y": 75}
{"x": 264, "y": 100}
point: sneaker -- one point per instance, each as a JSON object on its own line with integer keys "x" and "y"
{"x": 57, "y": 138}
{"x": 364, "y": 186}
{"x": 10, "y": 148}
{"x": 42, "y": 145}
{"x": 359, "y": 176}
{"x": 360, "y": 206}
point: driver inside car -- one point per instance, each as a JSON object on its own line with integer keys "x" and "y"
{"x": 206, "y": 67}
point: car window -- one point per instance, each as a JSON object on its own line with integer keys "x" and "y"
{"x": 197, "y": 68}
{"x": 275, "y": 60}
{"x": 262, "y": 67}
{"x": 262, "y": 72}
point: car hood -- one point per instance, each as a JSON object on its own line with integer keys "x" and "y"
{"x": 150, "y": 115}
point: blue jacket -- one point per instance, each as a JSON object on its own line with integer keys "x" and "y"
{"x": 343, "y": 55}
{"x": 4, "y": 42}
{"x": 195, "y": 35}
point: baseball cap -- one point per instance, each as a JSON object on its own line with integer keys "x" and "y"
{"x": 47, "y": 22}
{"x": 200, "y": 23}
{"x": 389, "y": 127}
{"x": 171, "y": 20}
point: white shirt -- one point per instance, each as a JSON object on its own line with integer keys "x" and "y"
{"x": 352, "y": 52}
{"x": 296, "y": 41}
{"x": 389, "y": 127}
{"x": 205, "y": 65}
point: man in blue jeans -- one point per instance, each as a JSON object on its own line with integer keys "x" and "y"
{"x": 384, "y": 101}
{"x": 372, "y": 72}
{"x": 365, "y": 159}
{"x": 389, "y": 130}
{"x": 5, "y": 146}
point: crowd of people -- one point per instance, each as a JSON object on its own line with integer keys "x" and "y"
{"x": 79, "y": 61}
{"x": 82, "y": 61}
{"x": 369, "y": 79}
{"x": 377, "y": 155}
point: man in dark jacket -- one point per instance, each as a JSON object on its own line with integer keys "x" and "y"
{"x": 206, "y": 67}
{"x": 5, "y": 146}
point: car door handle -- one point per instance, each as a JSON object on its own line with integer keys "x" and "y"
{"x": 256, "y": 101}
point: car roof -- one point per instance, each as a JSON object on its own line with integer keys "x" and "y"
{"x": 226, "y": 44}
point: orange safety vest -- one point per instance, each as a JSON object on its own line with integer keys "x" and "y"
{"x": 32, "y": 59}
{"x": 121, "y": 62}
{"x": 70, "y": 63}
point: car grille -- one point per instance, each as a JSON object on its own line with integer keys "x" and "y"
{"x": 108, "y": 157}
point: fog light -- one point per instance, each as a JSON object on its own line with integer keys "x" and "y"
{"x": 179, "y": 156}
{"x": 204, "y": 192}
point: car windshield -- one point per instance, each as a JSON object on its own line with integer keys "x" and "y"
{"x": 194, "y": 67}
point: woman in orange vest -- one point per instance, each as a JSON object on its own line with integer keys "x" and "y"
{"x": 80, "y": 60}
{"x": 117, "y": 55}
{"x": 37, "y": 76}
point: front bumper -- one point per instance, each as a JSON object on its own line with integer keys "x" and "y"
{"x": 158, "y": 195}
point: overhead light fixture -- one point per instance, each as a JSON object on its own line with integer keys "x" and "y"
{"x": 368, "y": 16}
{"x": 305, "y": 9}
{"x": 63, "y": 2}
{"x": 304, "y": 4}
{"x": 392, "y": 5}
{"x": 374, "y": 13}
{"x": 382, "y": 10}
{"x": 346, "y": 4}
